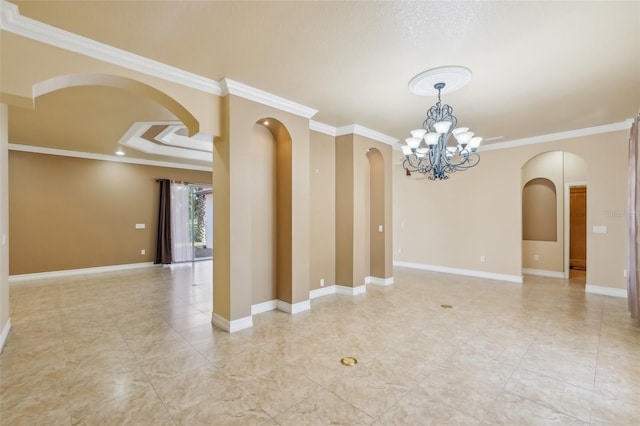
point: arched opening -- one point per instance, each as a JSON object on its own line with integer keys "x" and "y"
{"x": 80, "y": 192}
{"x": 123, "y": 83}
{"x": 376, "y": 214}
{"x": 547, "y": 223}
{"x": 271, "y": 149}
{"x": 539, "y": 210}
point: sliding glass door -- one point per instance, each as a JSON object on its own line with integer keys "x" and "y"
{"x": 191, "y": 222}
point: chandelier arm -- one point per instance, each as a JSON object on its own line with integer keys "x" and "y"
{"x": 438, "y": 160}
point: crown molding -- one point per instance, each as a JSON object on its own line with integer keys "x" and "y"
{"x": 357, "y": 129}
{"x": 569, "y": 134}
{"x": 104, "y": 157}
{"x": 319, "y": 127}
{"x": 231, "y": 87}
{"x": 13, "y": 22}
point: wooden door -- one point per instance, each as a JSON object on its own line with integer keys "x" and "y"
{"x": 578, "y": 227}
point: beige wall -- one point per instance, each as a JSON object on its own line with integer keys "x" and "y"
{"x": 344, "y": 211}
{"x": 353, "y": 219}
{"x": 263, "y": 216}
{"x": 322, "y": 209}
{"x": 71, "y": 213}
{"x": 376, "y": 214}
{"x": 560, "y": 168}
{"x": 478, "y": 212}
{"x": 232, "y": 176}
{"x": 4, "y": 219}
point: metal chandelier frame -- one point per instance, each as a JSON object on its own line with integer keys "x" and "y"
{"x": 428, "y": 151}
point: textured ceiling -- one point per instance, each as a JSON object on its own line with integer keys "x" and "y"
{"x": 538, "y": 67}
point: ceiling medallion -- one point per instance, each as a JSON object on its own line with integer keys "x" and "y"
{"x": 427, "y": 150}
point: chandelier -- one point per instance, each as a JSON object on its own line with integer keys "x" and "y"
{"x": 429, "y": 151}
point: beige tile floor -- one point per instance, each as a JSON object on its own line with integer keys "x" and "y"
{"x": 137, "y": 348}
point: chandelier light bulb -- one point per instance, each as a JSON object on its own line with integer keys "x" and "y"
{"x": 418, "y": 133}
{"x": 474, "y": 143}
{"x": 442, "y": 127}
{"x": 406, "y": 150}
{"x": 413, "y": 142}
{"x": 431, "y": 138}
{"x": 464, "y": 138}
{"x": 459, "y": 130}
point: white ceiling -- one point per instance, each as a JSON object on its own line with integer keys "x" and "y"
{"x": 538, "y": 67}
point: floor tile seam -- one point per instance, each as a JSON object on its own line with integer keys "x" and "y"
{"x": 246, "y": 395}
{"x": 97, "y": 402}
{"x": 415, "y": 389}
{"x": 595, "y": 373}
{"x": 502, "y": 390}
{"x": 156, "y": 393}
{"x": 362, "y": 411}
{"x": 549, "y": 407}
{"x": 556, "y": 379}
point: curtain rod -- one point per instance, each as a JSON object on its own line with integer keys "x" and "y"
{"x": 183, "y": 182}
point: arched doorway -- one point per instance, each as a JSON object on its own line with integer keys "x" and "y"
{"x": 549, "y": 234}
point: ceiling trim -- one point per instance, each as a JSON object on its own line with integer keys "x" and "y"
{"x": 133, "y": 139}
{"x": 231, "y": 87}
{"x": 319, "y": 127}
{"x": 12, "y": 21}
{"x": 357, "y": 129}
{"x": 587, "y": 131}
{"x": 103, "y": 157}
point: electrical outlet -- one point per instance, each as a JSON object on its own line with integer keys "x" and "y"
{"x": 399, "y": 251}
{"x": 536, "y": 257}
{"x": 143, "y": 251}
{"x": 625, "y": 273}
{"x": 482, "y": 258}
{"x": 321, "y": 282}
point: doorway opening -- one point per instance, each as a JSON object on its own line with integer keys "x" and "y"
{"x": 202, "y": 221}
{"x": 576, "y": 230}
{"x": 191, "y": 222}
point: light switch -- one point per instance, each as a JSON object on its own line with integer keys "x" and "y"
{"x": 140, "y": 226}
{"x": 379, "y": 228}
{"x": 599, "y": 229}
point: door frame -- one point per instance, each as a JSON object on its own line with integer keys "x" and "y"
{"x": 567, "y": 220}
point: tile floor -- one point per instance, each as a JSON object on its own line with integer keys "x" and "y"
{"x": 137, "y": 348}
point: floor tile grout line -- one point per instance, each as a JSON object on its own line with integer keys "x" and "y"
{"x": 595, "y": 374}
{"x": 515, "y": 369}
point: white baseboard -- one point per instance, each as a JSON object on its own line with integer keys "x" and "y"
{"x": 5, "y": 334}
{"x": 83, "y": 271}
{"x": 543, "y": 273}
{"x": 322, "y": 291}
{"x": 351, "y": 291}
{"x": 458, "y": 271}
{"x": 267, "y": 306}
{"x": 231, "y": 326}
{"x": 378, "y": 281}
{"x": 295, "y": 308}
{"x": 606, "y": 291}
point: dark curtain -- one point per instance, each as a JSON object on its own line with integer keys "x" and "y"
{"x": 633, "y": 293}
{"x": 163, "y": 236}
